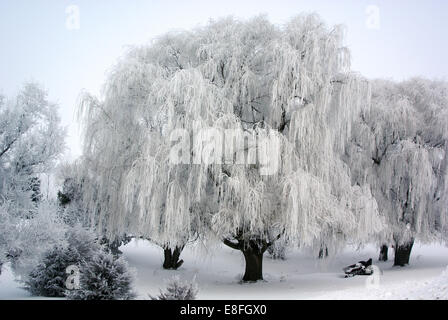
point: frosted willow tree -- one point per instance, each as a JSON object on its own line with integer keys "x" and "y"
{"x": 399, "y": 148}
{"x": 286, "y": 94}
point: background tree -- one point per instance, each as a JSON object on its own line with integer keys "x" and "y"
{"x": 31, "y": 140}
{"x": 290, "y": 84}
{"x": 399, "y": 148}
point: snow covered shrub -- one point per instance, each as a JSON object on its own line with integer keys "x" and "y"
{"x": 104, "y": 277}
{"x": 178, "y": 290}
{"x": 49, "y": 277}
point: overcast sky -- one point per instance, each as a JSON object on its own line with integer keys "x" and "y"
{"x": 42, "y": 40}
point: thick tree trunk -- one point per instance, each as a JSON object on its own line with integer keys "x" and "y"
{"x": 253, "y": 251}
{"x": 383, "y": 253}
{"x": 172, "y": 258}
{"x": 254, "y": 264}
{"x": 402, "y": 253}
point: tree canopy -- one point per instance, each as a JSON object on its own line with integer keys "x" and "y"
{"x": 400, "y": 149}
{"x": 289, "y": 98}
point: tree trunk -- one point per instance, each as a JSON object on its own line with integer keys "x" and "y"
{"x": 254, "y": 264}
{"x": 253, "y": 251}
{"x": 172, "y": 258}
{"x": 402, "y": 253}
{"x": 383, "y": 253}
{"x": 321, "y": 253}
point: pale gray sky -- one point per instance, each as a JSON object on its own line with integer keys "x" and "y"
{"x": 40, "y": 41}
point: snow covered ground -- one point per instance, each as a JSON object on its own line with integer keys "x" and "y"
{"x": 9, "y": 288}
{"x": 301, "y": 276}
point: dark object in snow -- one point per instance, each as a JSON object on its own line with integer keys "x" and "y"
{"x": 403, "y": 253}
{"x": 363, "y": 268}
{"x": 321, "y": 252}
{"x": 172, "y": 258}
{"x": 383, "y": 253}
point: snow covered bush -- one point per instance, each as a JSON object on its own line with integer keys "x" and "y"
{"x": 178, "y": 290}
{"x": 101, "y": 275}
{"x": 104, "y": 277}
{"x": 49, "y": 277}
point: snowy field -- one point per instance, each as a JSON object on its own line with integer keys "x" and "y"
{"x": 299, "y": 277}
